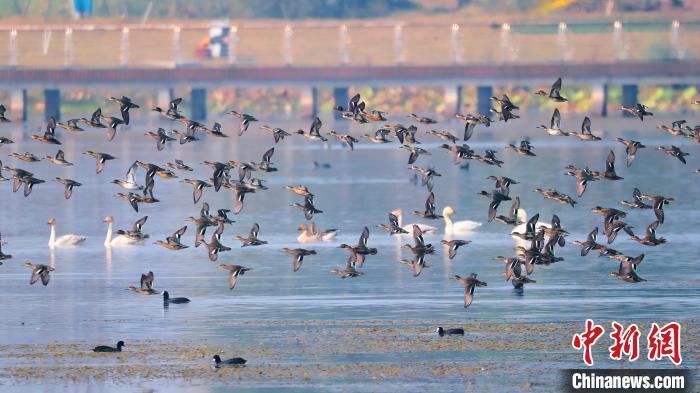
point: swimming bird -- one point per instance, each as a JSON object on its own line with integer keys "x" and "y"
{"x": 658, "y": 203}
{"x": 252, "y": 239}
{"x": 174, "y": 241}
{"x": 524, "y": 149}
{"x": 638, "y": 110}
{"x": 125, "y": 238}
{"x": 453, "y": 245}
{"x": 310, "y": 234}
{"x": 228, "y": 362}
{"x": 3, "y": 256}
{"x": 469, "y": 283}
{"x": 609, "y": 173}
{"x": 160, "y": 137}
{"x": 636, "y": 201}
{"x": 449, "y": 332}
{"x": 101, "y": 158}
{"x": 675, "y": 152}
{"x": 650, "y": 238}
{"x": 124, "y": 105}
{"x": 554, "y": 125}
{"x": 628, "y": 269}
{"x": 65, "y": 240}
{"x": 69, "y": 185}
{"x": 415, "y": 152}
{"x": 299, "y": 254}
{"x": 457, "y": 227}
{"x": 554, "y": 92}
{"x": 174, "y": 300}
{"x": 59, "y": 159}
{"x": 146, "y": 285}
{"x": 277, "y": 133}
{"x": 429, "y": 212}
{"x": 631, "y": 148}
{"x": 50, "y": 134}
{"x": 245, "y": 118}
{"x": 585, "y": 134}
{"x": 39, "y": 272}
{"x": 234, "y": 272}
{"x": 107, "y": 348}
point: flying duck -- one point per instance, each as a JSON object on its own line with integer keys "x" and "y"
{"x": 234, "y": 272}
{"x": 314, "y": 134}
{"x": 429, "y": 212}
{"x": 636, "y": 202}
{"x": 415, "y": 153}
{"x": 50, "y": 134}
{"x": 650, "y": 238}
{"x": 609, "y": 173}
{"x": 347, "y": 139}
{"x": 124, "y": 105}
{"x": 179, "y": 165}
{"x": 307, "y": 208}
{"x": 71, "y": 125}
{"x": 39, "y": 271}
{"x": 101, "y": 158}
{"x": 393, "y": 228}
{"x": 245, "y": 118}
{"x": 59, "y": 159}
{"x": 26, "y": 157}
{"x": 512, "y": 217}
{"x": 638, "y": 110}
{"x": 422, "y": 120}
{"x": 160, "y": 137}
{"x": 658, "y": 203}
{"x": 453, "y": 245}
{"x": 589, "y": 244}
{"x": 525, "y": 148}
{"x": 556, "y": 196}
{"x": 252, "y": 239}
{"x": 554, "y": 92}
{"x": 69, "y": 185}
{"x": 585, "y": 134}
{"x": 675, "y": 152}
{"x": 444, "y": 135}
{"x": 554, "y": 125}
{"x": 199, "y": 186}
{"x": 299, "y": 254}
{"x": 631, "y": 148}
{"x": 469, "y": 284}
{"x": 628, "y": 269}
{"x": 215, "y": 131}
{"x": 173, "y": 242}
{"x": 112, "y": 123}
{"x": 277, "y": 133}
{"x": 583, "y": 176}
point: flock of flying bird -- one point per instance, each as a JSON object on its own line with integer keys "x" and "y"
{"x": 536, "y": 241}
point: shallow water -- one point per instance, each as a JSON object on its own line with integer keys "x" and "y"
{"x": 86, "y": 301}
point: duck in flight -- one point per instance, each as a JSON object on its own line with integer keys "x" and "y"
{"x": 554, "y": 92}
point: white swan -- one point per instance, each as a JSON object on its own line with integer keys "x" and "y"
{"x": 310, "y": 235}
{"x": 65, "y": 240}
{"x": 459, "y": 227}
{"x": 521, "y": 228}
{"x": 426, "y": 229}
{"x": 119, "y": 240}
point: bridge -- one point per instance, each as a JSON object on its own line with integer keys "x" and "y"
{"x": 461, "y": 62}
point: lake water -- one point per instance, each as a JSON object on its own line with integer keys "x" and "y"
{"x": 86, "y": 302}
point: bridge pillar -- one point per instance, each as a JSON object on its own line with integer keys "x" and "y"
{"x": 453, "y": 99}
{"x": 340, "y": 98}
{"x": 309, "y": 102}
{"x": 164, "y": 98}
{"x": 52, "y": 104}
{"x": 483, "y": 95}
{"x": 199, "y": 103}
{"x": 629, "y": 97}
{"x": 18, "y": 104}
{"x": 599, "y": 100}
